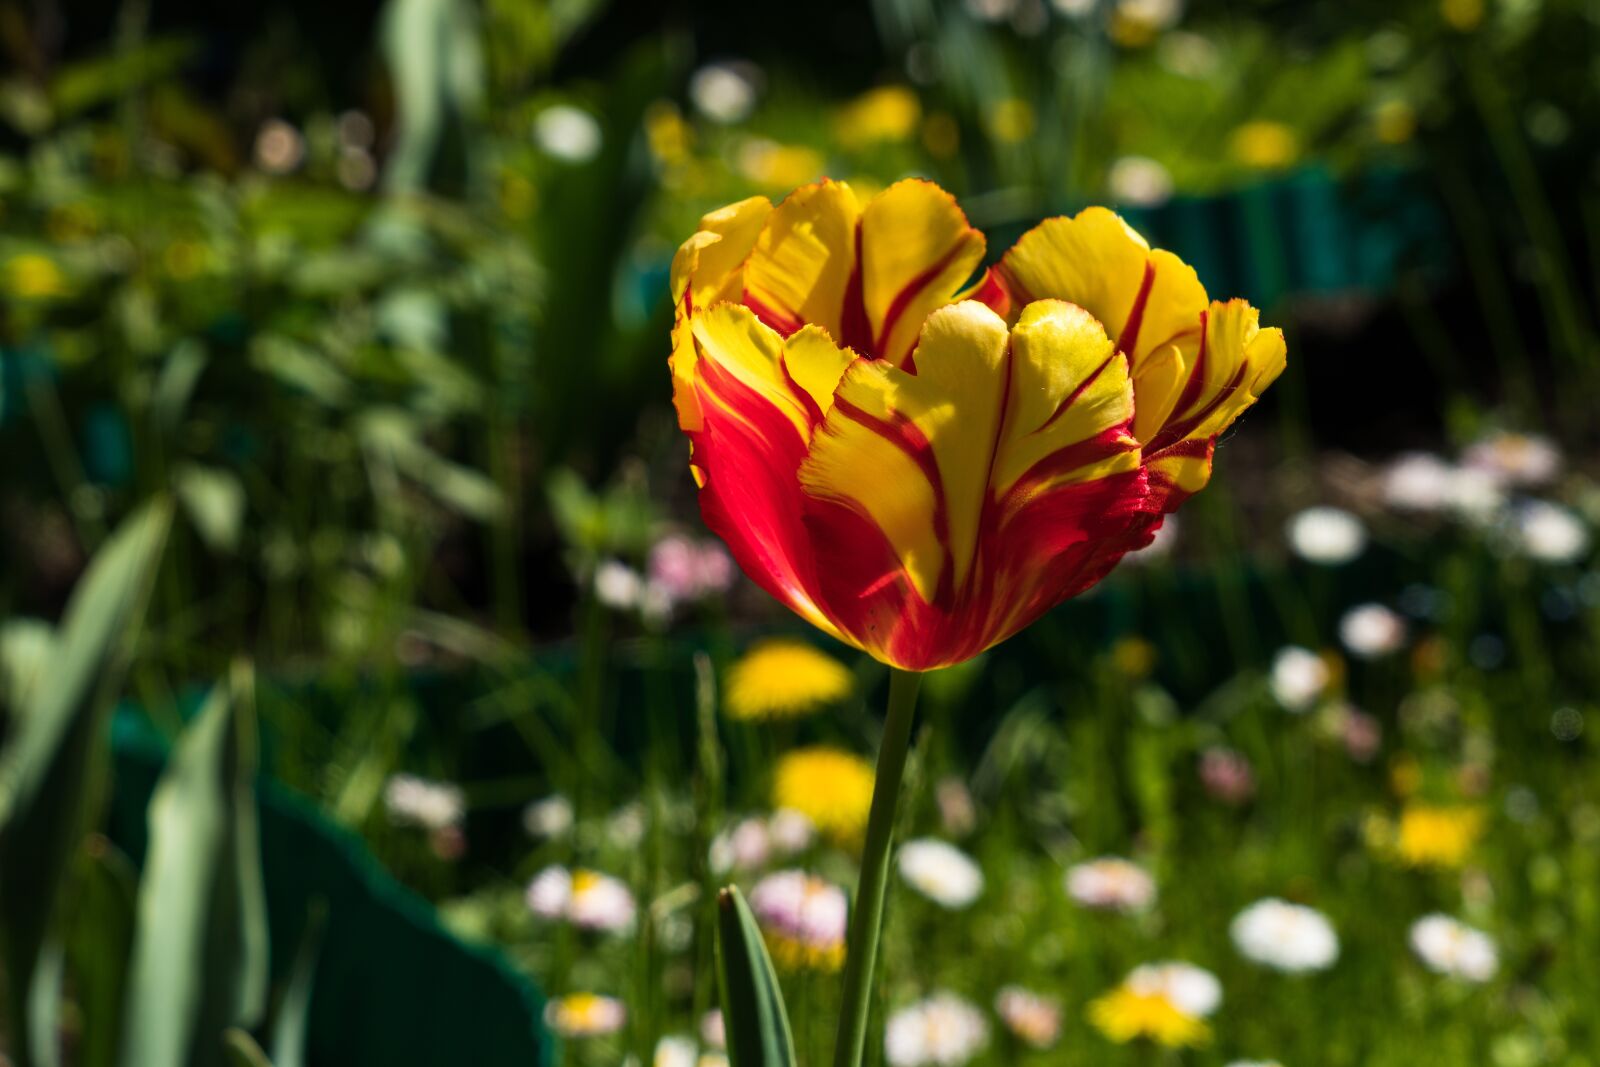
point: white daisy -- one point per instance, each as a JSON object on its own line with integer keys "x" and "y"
{"x": 1447, "y": 946}
{"x": 584, "y": 898}
{"x": 1299, "y": 678}
{"x": 941, "y": 1031}
{"x": 791, "y": 831}
{"x": 1034, "y": 1019}
{"x": 1111, "y": 883}
{"x": 675, "y": 1050}
{"x": 414, "y": 801}
{"x": 1372, "y": 630}
{"x": 941, "y": 872}
{"x": 1287, "y": 937}
{"x": 548, "y": 818}
{"x": 1521, "y": 460}
{"x": 743, "y": 846}
{"x": 1549, "y": 532}
{"x": 585, "y": 1015}
{"x": 803, "y": 908}
{"x": 1326, "y": 535}
{"x": 1193, "y": 990}
{"x": 723, "y": 92}
{"x": 568, "y": 133}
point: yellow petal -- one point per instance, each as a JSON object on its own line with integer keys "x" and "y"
{"x": 706, "y": 266}
{"x": 1068, "y": 386}
{"x": 816, "y": 364}
{"x": 1228, "y": 367}
{"x": 804, "y": 258}
{"x": 917, "y": 249}
{"x": 911, "y": 451}
{"x": 1145, "y": 299}
{"x": 705, "y": 270}
{"x": 731, "y": 336}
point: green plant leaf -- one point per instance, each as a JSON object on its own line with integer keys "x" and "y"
{"x": 98, "y": 936}
{"x": 199, "y": 962}
{"x": 289, "y": 1029}
{"x": 53, "y": 771}
{"x": 242, "y": 1050}
{"x": 214, "y": 501}
{"x": 752, "y": 1003}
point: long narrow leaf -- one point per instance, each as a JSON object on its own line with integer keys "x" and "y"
{"x": 199, "y": 963}
{"x": 289, "y": 1029}
{"x": 52, "y": 773}
{"x": 752, "y": 1003}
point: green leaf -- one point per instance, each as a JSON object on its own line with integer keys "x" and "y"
{"x": 289, "y": 1029}
{"x": 199, "y": 960}
{"x": 242, "y": 1050}
{"x": 752, "y": 1003}
{"x": 214, "y": 501}
{"x": 53, "y": 771}
{"x": 99, "y": 936}
{"x": 176, "y": 382}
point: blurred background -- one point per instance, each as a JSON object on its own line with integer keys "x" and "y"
{"x": 365, "y": 306}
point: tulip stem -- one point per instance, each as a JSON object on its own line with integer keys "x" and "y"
{"x": 866, "y": 917}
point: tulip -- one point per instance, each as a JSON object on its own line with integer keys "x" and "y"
{"x": 920, "y": 456}
{"x": 919, "y": 466}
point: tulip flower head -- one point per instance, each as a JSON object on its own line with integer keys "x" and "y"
{"x": 920, "y": 456}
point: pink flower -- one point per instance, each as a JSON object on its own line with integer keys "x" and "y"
{"x": 1226, "y": 775}
{"x": 689, "y": 570}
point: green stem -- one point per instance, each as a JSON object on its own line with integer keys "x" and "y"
{"x": 867, "y": 917}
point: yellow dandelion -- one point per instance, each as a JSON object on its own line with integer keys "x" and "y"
{"x": 1394, "y": 121}
{"x": 884, "y": 115}
{"x": 771, "y": 165}
{"x": 31, "y": 276}
{"x": 1461, "y": 15}
{"x": 1126, "y": 1014}
{"x": 793, "y": 954}
{"x": 1133, "y": 657}
{"x": 1011, "y": 121}
{"x": 941, "y": 135}
{"x": 1438, "y": 836}
{"x": 1264, "y": 145}
{"x": 669, "y": 136}
{"x": 785, "y": 679}
{"x": 831, "y": 787}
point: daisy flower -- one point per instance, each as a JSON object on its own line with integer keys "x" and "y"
{"x": 1286, "y": 937}
{"x": 1446, "y": 946}
{"x": 941, "y": 1031}
{"x": 1326, "y": 535}
{"x": 584, "y": 898}
{"x": 414, "y": 801}
{"x": 941, "y": 872}
{"x": 1299, "y": 678}
{"x": 585, "y": 1015}
{"x": 1034, "y": 1019}
{"x": 1166, "y": 1003}
{"x": 1111, "y": 883}
{"x": 804, "y": 918}
{"x": 1372, "y": 630}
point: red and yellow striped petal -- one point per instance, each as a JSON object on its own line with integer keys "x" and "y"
{"x": 708, "y": 268}
{"x": 1145, "y": 299}
{"x": 757, "y": 396}
{"x": 869, "y": 275}
{"x": 933, "y": 496}
{"x": 1223, "y": 369}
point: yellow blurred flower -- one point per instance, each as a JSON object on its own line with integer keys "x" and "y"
{"x": 1438, "y": 836}
{"x": 1136, "y": 23}
{"x": 941, "y": 135}
{"x": 1461, "y": 15}
{"x": 785, "y": 679}
{"x": 31, "y": 276}
{"x": 518, "y": 197}
{"x": 1133, "y": 657}
{"x": 884, "y": 115}
{"x": 771, "y": 165}
{"x": 1405, "y": 775}
{"x": 1394, "y": 121}
{"x": 831, "y": 787}
{"x": 184, "y": 258}
{"x": 585, "y": 1015}
{"x": 1264, "y": 145}
{"x": 669, "y": 136}
{"x": 792, "y": 954}
{"x": 1011, "y": 121}
{"x": 1125, "y": 1014}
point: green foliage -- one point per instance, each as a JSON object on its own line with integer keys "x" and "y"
{"x": 752, "y": 1000}
{"x": 52, "y": 770}
{"x": 199, "y": 956}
